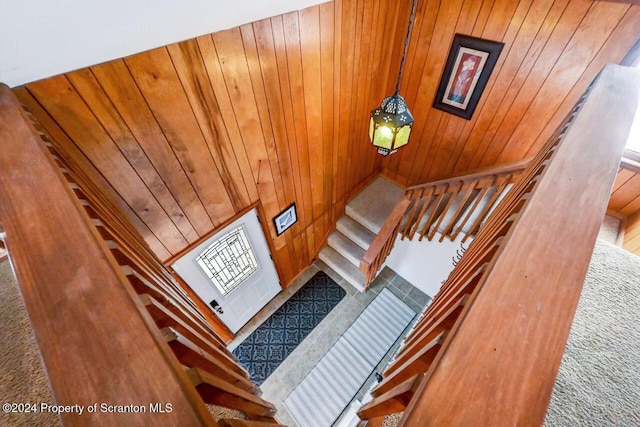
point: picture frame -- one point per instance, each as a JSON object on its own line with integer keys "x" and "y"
{"x": 466, "y": 72}
{"x": 285, "y": 219}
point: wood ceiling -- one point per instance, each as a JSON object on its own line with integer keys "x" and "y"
{"x": 186, "y": 136}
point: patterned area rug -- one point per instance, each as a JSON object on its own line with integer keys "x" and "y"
{"x": 265, "y": 349}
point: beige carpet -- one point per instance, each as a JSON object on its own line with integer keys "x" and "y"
{"x": 22, "y": 377}
{"x": 599, "y": 380}
{"x": 609, "y": 229}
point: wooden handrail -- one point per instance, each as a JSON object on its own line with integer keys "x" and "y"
{"x": 449, "y": 204}
{"x": 433, "y": 201}
{"x": 95, "y": 240}
{"x": 521, "y": 277}
{"x": 76, "y": 296}
{"x": 383, "y": 242}
{"x": 504, "y": 169}
{"x": 195, "y": 342}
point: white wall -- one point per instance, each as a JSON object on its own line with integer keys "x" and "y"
{"x": 424, "y": 264}
{"x": 42, "y": 38}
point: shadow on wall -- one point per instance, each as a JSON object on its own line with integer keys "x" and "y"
{"x": 425, "y": 264}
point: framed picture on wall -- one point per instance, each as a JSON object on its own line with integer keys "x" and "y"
{"x": 285, "y": 219}
{"x": 466, "y": 72}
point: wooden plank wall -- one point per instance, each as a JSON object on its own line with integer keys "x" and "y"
{"x": 625, "y": 196}
{"x": 186, "y": 136}
{"x": 625, "y": 200}
{"x": 632, "y": 234}
{"x": 553, "y": 50}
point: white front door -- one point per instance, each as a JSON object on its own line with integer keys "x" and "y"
{"x": 232, "y": 271}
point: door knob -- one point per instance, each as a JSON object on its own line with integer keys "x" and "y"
{"x": 214, "y": 304}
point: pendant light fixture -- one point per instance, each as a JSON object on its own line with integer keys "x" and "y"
{"x": 390, "y": 124}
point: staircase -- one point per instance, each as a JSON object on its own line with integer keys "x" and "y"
{"x": 365, "y": 235}
{"x": 508, "y": 305}
{"x": 331, "y": 385}
{"x": 164, "y": 347}
{"x": 356, "y": 230}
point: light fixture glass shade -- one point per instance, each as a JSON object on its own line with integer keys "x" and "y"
{"x": 390, "y": 125}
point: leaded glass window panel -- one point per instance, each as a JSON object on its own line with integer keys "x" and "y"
{"x": 229, "y": 260}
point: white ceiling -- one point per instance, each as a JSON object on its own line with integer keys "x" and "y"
{"x": 42, "y": 38}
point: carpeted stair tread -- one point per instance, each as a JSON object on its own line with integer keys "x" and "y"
{"x": 346, "y": 247}
{"x": 328, "y": 389}
{"x": 343, "y": 267}
{"x": 355, "y": 231}
{"x": 374, "y": 204}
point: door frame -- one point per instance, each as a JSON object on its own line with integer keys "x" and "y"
{"x": 222, "y": 329}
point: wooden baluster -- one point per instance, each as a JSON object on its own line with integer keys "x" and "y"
{"x": 435, "y": 210}
{"x": 471, "y": 187}
{"x": 427, "y": 202}
{"x": 218, "y": 392}
{"x": 416, "y": 199}
{"x": 143, "y": 286}
{"x": 180, "y": 321}
{"x": 418, "y": 363}
{"x": 76, "y": 295}
{"x": 498, "y": 332}
{"x": 192, "y": 356}
{"x": 395, "y": 400}
{"x": 453, "y": 191}
{"x": 434, "y": 327}
{"x": 479, "y": 197}
{"x": 499, "y": 188}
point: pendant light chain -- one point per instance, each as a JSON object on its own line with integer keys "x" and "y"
{"x": 390, "y": 124}
{"x": 406, "y": 44}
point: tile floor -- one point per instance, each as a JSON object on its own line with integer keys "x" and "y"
{"x": 295, "y": 367}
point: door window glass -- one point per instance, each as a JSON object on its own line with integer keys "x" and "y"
{"x": 229, "y": 260}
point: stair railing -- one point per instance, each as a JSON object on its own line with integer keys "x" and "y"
{"x": 114, "y": 326}
{"x": 488, "y": 348}
{"x": 446, "y": 205}
{"x": 383, "y": 243}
